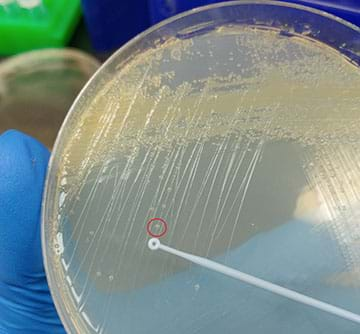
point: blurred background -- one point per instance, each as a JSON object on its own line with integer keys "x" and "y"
{"x": 50, "y": 48}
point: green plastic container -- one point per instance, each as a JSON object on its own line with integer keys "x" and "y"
{"x": 35, "y": 24}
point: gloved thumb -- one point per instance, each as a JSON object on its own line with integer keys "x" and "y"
{"x": 25, "y": 302}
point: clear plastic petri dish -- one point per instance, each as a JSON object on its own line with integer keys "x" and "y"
{"x": 230, "y": 132}
{"x": 37, "y": 89}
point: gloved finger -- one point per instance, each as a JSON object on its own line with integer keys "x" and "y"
{"x": 25, "y": 302}
{"x": 23, "y": 164}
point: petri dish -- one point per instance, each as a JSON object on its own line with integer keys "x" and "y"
{"x": 37, "y": 89}
{"x": 228, "y": 132}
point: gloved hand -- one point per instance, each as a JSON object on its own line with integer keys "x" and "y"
{"x": 25, "y": 302}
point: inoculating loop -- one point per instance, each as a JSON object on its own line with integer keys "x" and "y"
{"x": 154, "y": 243}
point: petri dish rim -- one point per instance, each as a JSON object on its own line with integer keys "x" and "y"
{"x": 39, "y": 64}
{"x": 10, "y": 64}
{"x": 122, "y": 56}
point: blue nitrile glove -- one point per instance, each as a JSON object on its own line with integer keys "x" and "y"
{"x": 25, "y": 302}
